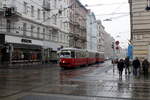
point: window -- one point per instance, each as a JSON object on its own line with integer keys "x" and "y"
{"x": 65, "y": 54}
{"x": 8, "y": 25}
{"x": 43, "y": 33}
{"x": 50, "y": 34}
{"x": 44, "y": 15}
{"x": 38, "y": 14}
{"x": 38, "y": 32}
{"x": 148, "y": 3}
{"x": 55, "y": 4}
{"x": 25, "y": 7}
{"x": 61, "y": 23}
{"x": 60, "y": 37}
{"x": 55, "y": 19}
{"x": 60, "y": 10}
{"x": 32, "y": 11}
{"x": 44, "y": 3}
{"x": 32, "y": 27}
{"x": 24, "y": 28}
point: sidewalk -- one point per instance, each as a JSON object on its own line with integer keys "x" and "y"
{"x": 128, "y": 87}
{"x": 108, "y": 85}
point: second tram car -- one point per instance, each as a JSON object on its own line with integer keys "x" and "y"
{"x": 72, "y": 57}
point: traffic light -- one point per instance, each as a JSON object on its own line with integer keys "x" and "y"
{"x": 112, "y": 45}
{"x": 8, "y": 12}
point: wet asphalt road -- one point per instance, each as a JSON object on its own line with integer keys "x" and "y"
{"x": 96, "y": 82}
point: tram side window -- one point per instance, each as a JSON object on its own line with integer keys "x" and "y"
{"x": 72, "y": 54}
{"x": 78, "y": 54}
{"x": 97, "y": 55}
{"x": 84, "y": 55}
{"x": 91, "y": 55}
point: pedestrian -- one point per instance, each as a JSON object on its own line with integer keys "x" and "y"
{"x": 120, "y": 66}
{"x": 127, "y": 64}
{"x": 145, "y": 66}
{"x": 136, "y": 66}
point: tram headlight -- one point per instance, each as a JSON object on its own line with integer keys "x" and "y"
{"x": 63, "y": 62}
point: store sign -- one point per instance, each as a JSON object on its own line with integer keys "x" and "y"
{"x": 26, "y": 41}
{"x": 19, "y": 40}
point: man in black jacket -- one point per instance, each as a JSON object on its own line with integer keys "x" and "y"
{"x": 127, "y": 64}
{"x": 145, "y": 66}
{"x": 136, "y": 65}
{"x": 120, "y": 66}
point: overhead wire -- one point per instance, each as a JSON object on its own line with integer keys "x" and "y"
{"x": 105, "y": 4}
{"x": 114, "y": 12}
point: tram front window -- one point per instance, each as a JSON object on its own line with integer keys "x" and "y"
{"x": 65, "y": 55}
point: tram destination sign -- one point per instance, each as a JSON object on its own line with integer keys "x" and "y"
{"x": 26, "y": 41}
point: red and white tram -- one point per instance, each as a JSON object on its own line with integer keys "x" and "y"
{"x": 72, "y": 57}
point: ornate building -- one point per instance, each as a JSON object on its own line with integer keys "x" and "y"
{"x": 77, "y": 24}
{"x": 30, "y": 30}
{"x": 100, "y": 36}
{"x": 140, "y": 30}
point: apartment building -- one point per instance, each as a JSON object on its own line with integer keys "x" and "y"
{"x": 100, "y": 36}
{"x": 91, "y": 31}
{"x": 77, "y": 24}
{"x": 29, "y": 30}
{"x": 140, "y": 30}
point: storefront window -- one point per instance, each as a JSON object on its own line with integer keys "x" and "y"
{"x": 26, "y": 54}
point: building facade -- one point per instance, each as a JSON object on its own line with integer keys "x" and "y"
{"x": 140, "y": 30}
{"x": 91, "y": 31}
{"x": 109, "y": 52}
{"x": 30, "y": 32}
{"x": 95, "y": 33}
{"x": 77, "y": 24}
{"x": 100, "y": 36}
{"x": 33, "y": 30}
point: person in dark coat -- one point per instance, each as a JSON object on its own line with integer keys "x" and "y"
{"x": 145, "y": 66}
{"x": 136, "y": 65}
{"x": 120, "y": 66}
{"x": 127, "y": 64}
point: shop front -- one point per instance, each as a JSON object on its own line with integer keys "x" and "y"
{"x": 23, "y": 53}
{"x": 50, "y": 51}
{"x": 22, "y": 50}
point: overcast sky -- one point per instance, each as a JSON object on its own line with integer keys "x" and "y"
{"x": 118, "y": 11}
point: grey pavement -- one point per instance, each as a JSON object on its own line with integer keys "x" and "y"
{"x": 96, "y": 82}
